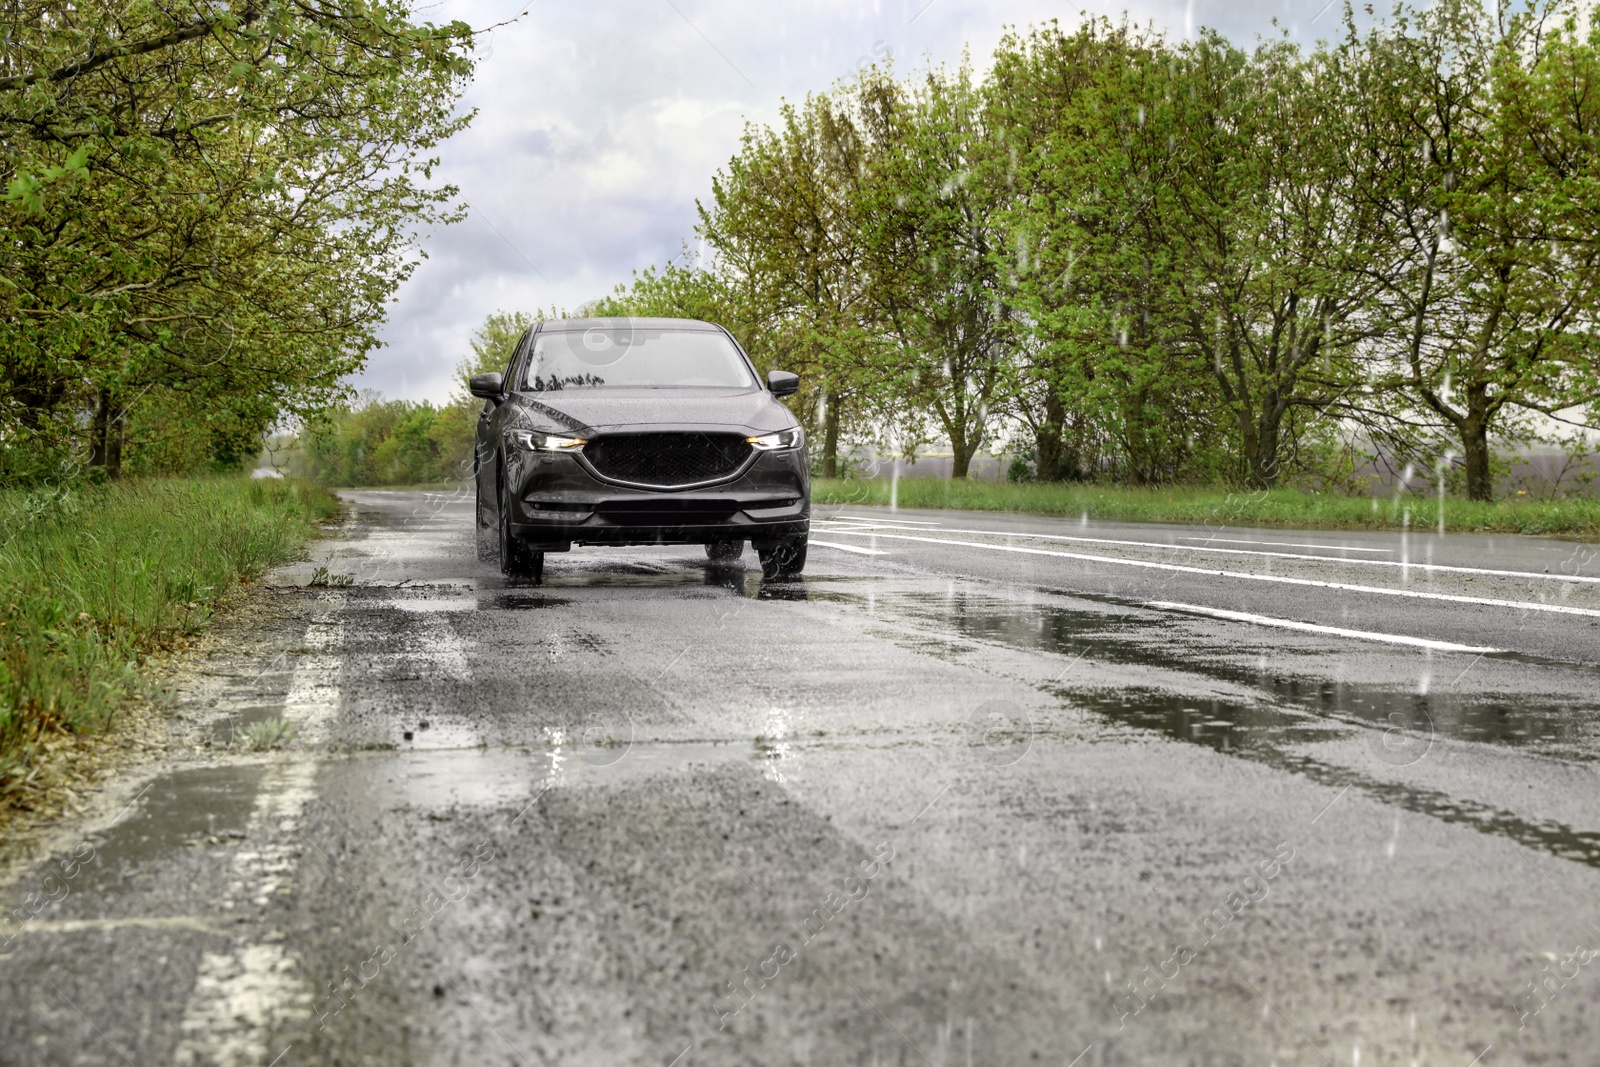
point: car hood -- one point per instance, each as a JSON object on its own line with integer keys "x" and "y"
{"x": 590, "y": 411}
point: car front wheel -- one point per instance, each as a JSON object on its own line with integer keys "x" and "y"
{"x": 517, "y": 560}
{"x": 724, "y": 551}
{"x": 785, "y": 559}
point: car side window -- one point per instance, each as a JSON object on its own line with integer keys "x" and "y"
{"x": 512, "y": 367}
{"x": 519, "y": 359}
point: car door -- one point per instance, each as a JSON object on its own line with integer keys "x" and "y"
{"x": 485, "y": 453}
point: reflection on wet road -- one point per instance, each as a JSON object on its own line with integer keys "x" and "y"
{"x": 1281, "y": 715}
{"x": 1567, "y": 728}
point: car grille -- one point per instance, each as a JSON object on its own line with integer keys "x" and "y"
{"x": 667, "y": 460}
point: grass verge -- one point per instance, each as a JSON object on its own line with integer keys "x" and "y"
{"x": 1202, "y": 505}
{"x": 94, "y": 579}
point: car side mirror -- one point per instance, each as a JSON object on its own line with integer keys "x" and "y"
{"x": 487, "y": 386}
{"x": 783, "y": 383}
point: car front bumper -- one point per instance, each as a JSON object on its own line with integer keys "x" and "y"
{"x": 557, "y": 501}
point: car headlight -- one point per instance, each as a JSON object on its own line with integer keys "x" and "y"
{"x": 533, "y": 441}
{"x": 782, "y": 441}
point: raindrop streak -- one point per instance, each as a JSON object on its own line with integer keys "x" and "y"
{"x": 1441, "y": 497}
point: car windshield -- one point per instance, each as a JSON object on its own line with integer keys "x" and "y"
{"x": 605, "y": 357}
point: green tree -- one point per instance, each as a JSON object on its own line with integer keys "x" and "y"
{"x": 1103, "y": 385}
{"x": 206, "y": 201}
{"x": 1188, "y": 251}
{"x": 1486, "y": 119}
{"x": 1270, "y": 255}
{"x": 930, "y": 201}
{"x": 785, "y": 218}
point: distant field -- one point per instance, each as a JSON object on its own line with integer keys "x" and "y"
{"x": 92, "y": 579}
{"x": 1232, "y": 507}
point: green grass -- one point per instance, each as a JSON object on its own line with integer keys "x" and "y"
{"x": 1202, "y": 505}
{"x": 93, "y": 579}
{"x": 269, "y": 733}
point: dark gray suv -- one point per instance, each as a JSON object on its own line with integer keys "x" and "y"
{"x": 640, "y": 432}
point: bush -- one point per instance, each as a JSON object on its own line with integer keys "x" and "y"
{"x": 388, "y": 442}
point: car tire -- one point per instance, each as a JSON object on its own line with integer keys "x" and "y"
{"x": 484, "y": 534}
{"x": 724, "y": 551}
{"x": 517, "y": 560}
{"x": 785, "y": 559}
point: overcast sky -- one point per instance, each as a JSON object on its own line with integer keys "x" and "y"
{"x": 601, "y": 122}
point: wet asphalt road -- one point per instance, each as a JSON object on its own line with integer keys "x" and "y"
{"x": 979, "y": 790}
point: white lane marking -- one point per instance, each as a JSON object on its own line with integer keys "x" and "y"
{"x": 1588, "y": 579}
{"x": 238, "y": 998}
{"x": 433, "y": 606}
{"x": 1313, "y": 628}
{"x": 243, "y": 994}
{"x": 313, "y": 697}
{"x": 432, "y": 649}
{"x": 850, "y": 548}
{"x": 1281, "y": 579}
{"x": 1286, "y": 544}
{"x": 907, "y": 522}
{"x": 435, "y": 650}
{"x": 197, "y": 923}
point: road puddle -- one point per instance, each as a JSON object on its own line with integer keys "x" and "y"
{"x": 595, "y": 573}
{"x": 450, "y": 600}
{"x": 1290, "y": 711}
{"x": 211, "y": 807}
{"x": 1267, "y": 735}
{"x": 202, "y": 806}
{"x": 1125, "y": 633}
{"x": 736, "y": 577}
{"x": 518, "y": 601}
{"x": 433, "y": 605}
